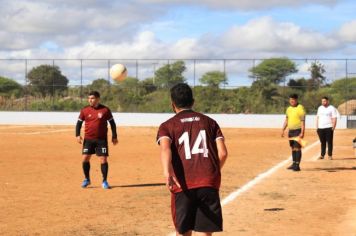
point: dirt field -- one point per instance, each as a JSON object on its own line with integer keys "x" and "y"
{"x": 40, "y": 193}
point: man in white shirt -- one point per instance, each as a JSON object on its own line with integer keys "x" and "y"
{"x": 325, "y": 124}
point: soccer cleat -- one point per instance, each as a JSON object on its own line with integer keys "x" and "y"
{"x": 85, "y": 183}
{"x": 321, "y": 158}
{"x": 296, "y": 168}
{"x": 105, "y": 185}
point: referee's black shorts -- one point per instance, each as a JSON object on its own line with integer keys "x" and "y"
{"x": 197, "y": 209}
{"x": 294, "y": 133}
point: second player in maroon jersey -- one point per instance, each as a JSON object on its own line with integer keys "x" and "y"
{"x": 96, "y": 116}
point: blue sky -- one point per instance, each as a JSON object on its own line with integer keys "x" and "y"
{"x": 175, "y": 29}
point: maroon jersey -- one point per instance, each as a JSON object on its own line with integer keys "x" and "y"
{"x": 95, "y": 121}
{"x": 194, "y": 151}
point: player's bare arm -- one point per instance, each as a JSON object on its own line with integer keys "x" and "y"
{"x": 334, "y": 122}
{"x": 222, "y": 151}
{"x": 302, "y": 128}
{"x": 285, "y": 124}
{"x": 166, "y": 160}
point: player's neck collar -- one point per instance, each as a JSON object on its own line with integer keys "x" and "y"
{"x": 184, "y": 110}
{"x": 97, "y": 106}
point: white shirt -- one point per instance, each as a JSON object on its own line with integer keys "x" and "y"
{"x": 324, "y": 116}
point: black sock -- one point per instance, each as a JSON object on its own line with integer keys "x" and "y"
{"x": 294, "y": 156}
{"x": 104, "y": 170}
{"x": 298, "y": 156}
{"x": 86, "y": 169}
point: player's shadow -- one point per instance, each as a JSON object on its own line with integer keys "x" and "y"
{"x": 138, "y": 185}
{"x": 333, "y": 169}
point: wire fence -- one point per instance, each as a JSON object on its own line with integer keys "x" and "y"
{"x": 85, "y": 74}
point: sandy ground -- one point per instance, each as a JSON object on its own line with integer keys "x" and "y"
{"x": 40, "y": 193}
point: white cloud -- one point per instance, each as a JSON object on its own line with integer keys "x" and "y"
{"x": 245, "y": 4}
{"x": 258, "y": 38}
{"x": 68, "y": 23}
{"x": 347, "y": 31}
{"x": 265, "y": 34}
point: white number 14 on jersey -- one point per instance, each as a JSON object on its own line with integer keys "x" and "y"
{"x": 201, "y": 139}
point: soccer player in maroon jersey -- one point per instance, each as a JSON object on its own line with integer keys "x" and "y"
{"x": 96, "y": 117}
{"x": 193, "y": 152}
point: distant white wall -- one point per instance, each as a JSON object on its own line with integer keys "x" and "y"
{"x": 154, "y": 119}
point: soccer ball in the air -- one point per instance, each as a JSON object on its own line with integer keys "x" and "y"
{"x": 118, "y": 72}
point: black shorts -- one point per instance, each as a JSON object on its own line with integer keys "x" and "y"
{"x": 197, "y": 209}
{"x": 97, "y": 146}
{"x": 294, "y": 133}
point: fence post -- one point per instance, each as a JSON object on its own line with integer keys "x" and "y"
{"x": 224, "y": 61}
{"x": 194, "y": 72}
{"x": 346, "y": 87}
{"x": 81, "y": 80}
{"x": 53, "y": 85}
{"x": 26, "y": 85}
{"x": 109, "y": 82}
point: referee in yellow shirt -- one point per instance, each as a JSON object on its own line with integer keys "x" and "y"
{"x": 295, "y": 121}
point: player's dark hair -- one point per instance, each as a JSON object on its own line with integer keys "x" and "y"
{"x": 94, "y": 93}
{"x": 294, "y": 96}
{"x": 182, "y": 95}
{"x": 325, "y": 97}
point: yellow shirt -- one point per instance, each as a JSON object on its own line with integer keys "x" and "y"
{"x": 295, "y": 116}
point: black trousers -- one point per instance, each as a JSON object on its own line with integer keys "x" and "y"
{"x": 326, "y": 136}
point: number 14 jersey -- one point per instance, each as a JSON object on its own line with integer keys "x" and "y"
{"x": 195, "y": 158}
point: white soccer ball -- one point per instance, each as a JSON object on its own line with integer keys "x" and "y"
{"x": 118, "y": 72}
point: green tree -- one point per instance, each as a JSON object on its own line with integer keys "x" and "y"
{"x": 170, "y": 74}
{"x": 148, "y": 85}
{"x": 316, "y": 75}
{"x": 47, "y": 80}
{"x": 343, "y": 89}
{"x": 265, "y": 92}
{"x": 273, "y": 70}
{"x": 101, "y": 85}
{"x": 300, "y": 84}
{"x": 214, "y": 79}
{"x": 9, "y": 87}
{"x": 130, "y": 94}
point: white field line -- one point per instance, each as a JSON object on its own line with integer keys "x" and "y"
{"x": 232, "y": 196}
{"x": 40, "y": 132}
{"x": 260, "y": 177}
{"x": 17, "y": 126}
{"x": 28, "y": 126}
{"x": 316, "y": 157}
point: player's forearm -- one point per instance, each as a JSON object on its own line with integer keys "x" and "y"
{"x": 334, "y": 122}
{"x": 78, "y": 127}
{"x": 166, "y": 158}
{"x": 285, "y": 124}
{"x": 222, "y": 152}
{"x": 222, "y": 158}
{"x": 302, "y": 127}
{"x": 113, "y": 128}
